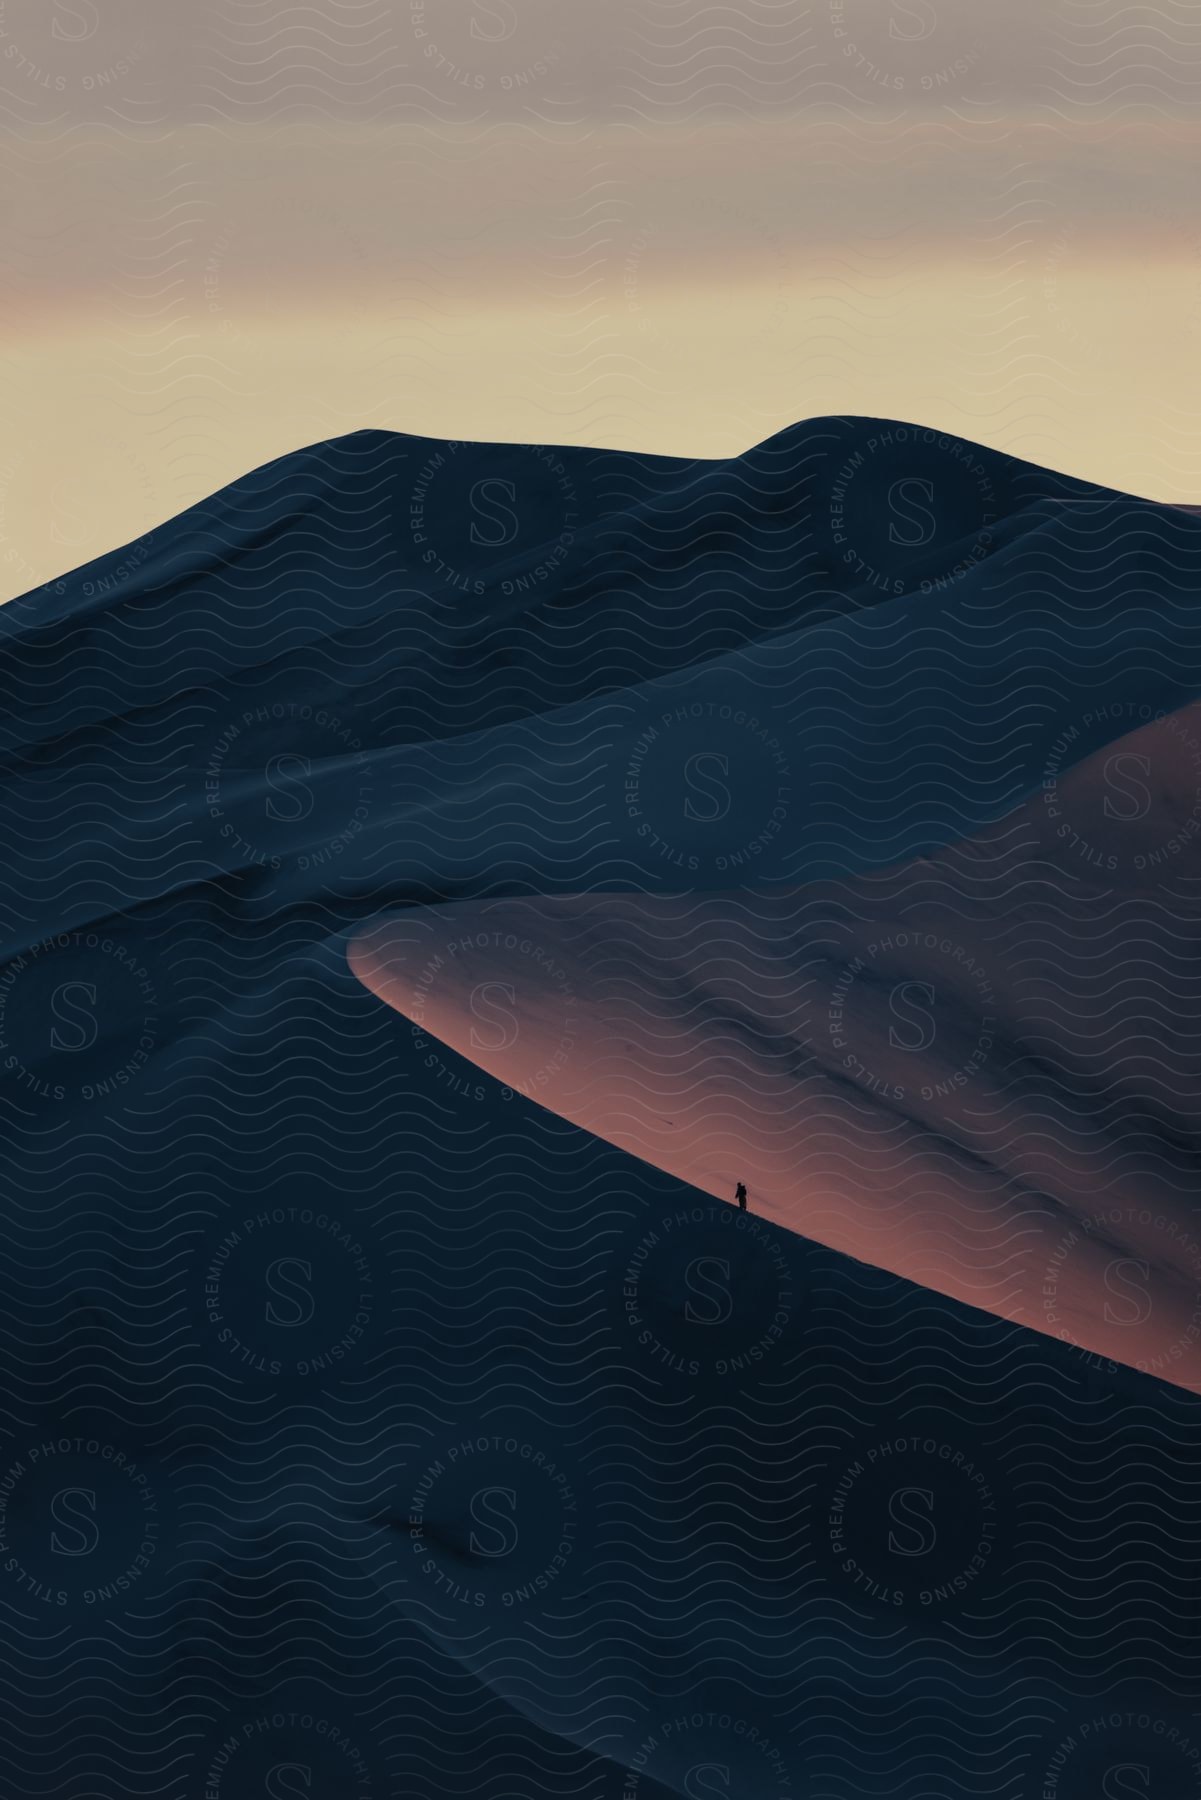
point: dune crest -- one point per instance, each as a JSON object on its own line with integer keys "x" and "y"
{"x": 988, "y": 1099}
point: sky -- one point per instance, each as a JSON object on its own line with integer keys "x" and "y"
{"x": 671, "y": 225}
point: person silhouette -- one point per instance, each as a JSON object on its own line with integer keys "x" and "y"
{"x": 740, "y": 1196}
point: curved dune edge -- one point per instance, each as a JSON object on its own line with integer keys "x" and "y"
{"x": 976, "y": 1070}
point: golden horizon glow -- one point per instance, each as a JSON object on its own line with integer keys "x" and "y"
{"x": 192, "y": 304}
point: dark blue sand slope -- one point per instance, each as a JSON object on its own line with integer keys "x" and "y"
{"x": 333, "y": 1464}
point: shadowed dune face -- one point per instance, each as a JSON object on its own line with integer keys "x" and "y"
{"x": 811, "y": 684}
{"x": 942, "y": 1018}
{"x": 998, "y": 1101}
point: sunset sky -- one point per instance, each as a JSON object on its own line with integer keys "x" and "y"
{"x": 662, "y": 224}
